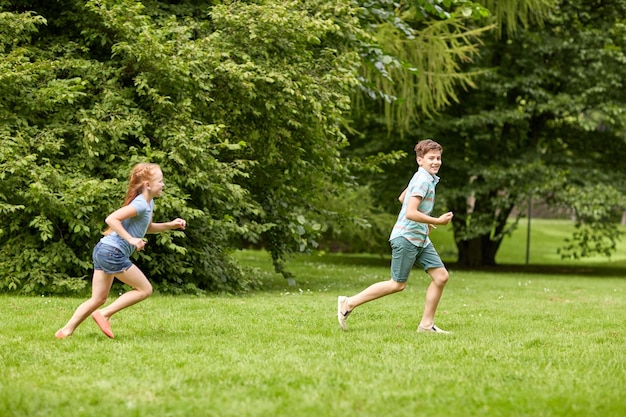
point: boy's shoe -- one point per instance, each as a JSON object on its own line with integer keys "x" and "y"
{"x": 342, "y": 311}
{"x": 433, "y": 329}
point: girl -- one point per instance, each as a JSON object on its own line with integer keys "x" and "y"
{"x": 111, "y": 256}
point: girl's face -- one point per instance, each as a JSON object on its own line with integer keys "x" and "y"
{"x": 156, "y": 184}
{"x": 431, "y": 162}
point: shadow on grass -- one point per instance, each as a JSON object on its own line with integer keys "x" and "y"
{"x": 348, "y": 259}
{"x": 600, "y": 271}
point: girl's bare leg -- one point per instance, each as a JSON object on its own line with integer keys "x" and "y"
{"x": 142, "y": 289}
{"x": 100, "y": 287}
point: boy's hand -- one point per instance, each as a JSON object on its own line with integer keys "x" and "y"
{"x": 445, "y": 218}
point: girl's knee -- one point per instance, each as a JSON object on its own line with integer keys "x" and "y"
{"x": 99, "y": 300}
{"x": 147, "y": 291}
{"x": 143, "y": 291}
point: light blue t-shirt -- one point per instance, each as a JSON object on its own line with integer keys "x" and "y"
{"x": 137, "y": 226}
{"x": 421, "y": 185}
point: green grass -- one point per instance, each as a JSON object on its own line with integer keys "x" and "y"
{"x": 524, "y": 344}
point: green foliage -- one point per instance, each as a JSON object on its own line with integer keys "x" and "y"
{"x": 547, "y": 114}
{"x": 17, "y": 29}
{"x": 248, "y": 137}
{"x": 289, "y": 111}
{"x": 412, "y": 67}
{"x": 363, "y": 229}
{"x": 595, "y": 210}
{"x": 512, "y": 16}
{"x": 415, "y": 61}
{"x": 551, "y": 103}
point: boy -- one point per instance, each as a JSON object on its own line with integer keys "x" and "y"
{"x": 409, "y": 242}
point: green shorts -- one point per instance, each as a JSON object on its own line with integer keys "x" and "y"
{"x": 404, "y": 254}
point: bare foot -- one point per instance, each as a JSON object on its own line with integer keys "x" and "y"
{"x": 60, "y": 334}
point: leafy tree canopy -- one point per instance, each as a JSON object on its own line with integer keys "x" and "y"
{"x": 240, "y": 103}
{"x": 546, "y": 120}
{"x": 244, "y": 104}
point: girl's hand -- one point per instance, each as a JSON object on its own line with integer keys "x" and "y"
{"x": 137, "y": 243}
{"x": 178, "y": 224}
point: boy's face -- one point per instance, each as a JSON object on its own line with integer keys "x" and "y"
{"x": 431, "y": 162}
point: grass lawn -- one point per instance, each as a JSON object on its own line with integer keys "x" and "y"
{"x": 524, "y": 344}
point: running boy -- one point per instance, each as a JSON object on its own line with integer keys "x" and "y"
{"x": 111, "y": 256}
{"x": 409, "y": 242}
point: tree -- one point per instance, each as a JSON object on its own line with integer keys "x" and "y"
{"x": 412, "y": 68}
{"x": 546, "y": 120}
{"x": 536, "y": 122}
{"x": 241, "y": 103}
{"x": 422, "y": 46}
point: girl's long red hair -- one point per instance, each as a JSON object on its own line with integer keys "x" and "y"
{"x": 139, "y": 175}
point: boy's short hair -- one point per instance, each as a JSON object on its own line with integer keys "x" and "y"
{"x": 425, "y": 146}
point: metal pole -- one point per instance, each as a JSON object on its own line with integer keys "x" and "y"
{"x": 530, "y": 213}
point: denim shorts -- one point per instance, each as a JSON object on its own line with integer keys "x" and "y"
{"x": 404, "y": 254}
{"x": 110, "y": 259}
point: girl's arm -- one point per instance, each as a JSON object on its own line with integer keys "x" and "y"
{"x": 114, "y": 221}
{"x": 160, "y": 227}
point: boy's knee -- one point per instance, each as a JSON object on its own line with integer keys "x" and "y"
{"x": 440, "y": 276}
{"x": 399, "y": 286}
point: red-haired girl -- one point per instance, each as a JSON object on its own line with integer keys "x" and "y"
{"x": 111, "y": 256}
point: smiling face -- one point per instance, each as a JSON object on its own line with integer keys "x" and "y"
{"x": 431, "y": 161}
{"x": 156, "y": 184}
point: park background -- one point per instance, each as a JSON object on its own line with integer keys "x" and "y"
{"x": 526, "y": 342}
{"x": 285, "y": 132}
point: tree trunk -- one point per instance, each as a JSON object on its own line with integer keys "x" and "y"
{"x": 478, "y": 251}
{"x": 481, "y": 250}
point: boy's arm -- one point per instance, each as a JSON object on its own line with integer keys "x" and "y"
{"x": 412, "y": 213}
{"x": 401, "y": 197}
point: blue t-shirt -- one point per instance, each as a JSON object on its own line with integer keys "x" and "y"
{"x": 137, "y": 226}
{"x": 421, "y": 185}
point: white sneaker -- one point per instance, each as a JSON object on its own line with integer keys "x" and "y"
{"x": 342, "y": 311}
{"x": 433, "y": 329}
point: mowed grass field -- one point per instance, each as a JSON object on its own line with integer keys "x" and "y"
{"x": 524, "y": 343}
